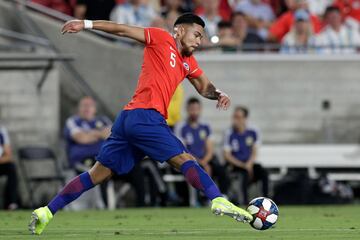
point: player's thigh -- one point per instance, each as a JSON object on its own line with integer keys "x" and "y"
{"x": 156, "y": 140}
{"x": 118, "y": 155}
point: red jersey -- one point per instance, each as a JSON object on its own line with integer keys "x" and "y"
{"x": 349, "y": 8}
{"x": 163, "y": 69}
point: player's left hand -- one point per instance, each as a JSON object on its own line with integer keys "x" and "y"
{"x": 223, "y": 101}
{"x": 73, "y": 26}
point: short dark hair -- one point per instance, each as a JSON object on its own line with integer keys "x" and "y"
{"x": 237, "y": 13}
{"x": 244, "y": 109}
{"x": 224, "y": 24}
{"x": 330, "y": 9}
{"x": 189, "y": 18}
{"x": 193, "y": 100}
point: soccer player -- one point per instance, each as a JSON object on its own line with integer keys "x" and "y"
{"x": 140, "y": 129}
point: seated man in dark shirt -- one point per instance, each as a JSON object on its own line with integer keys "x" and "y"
{"x": 85, "y": 132}
{"x": 196, "y": 136}
{"x": 240, "y": 151}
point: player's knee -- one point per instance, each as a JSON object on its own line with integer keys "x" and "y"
{"x": 99, "y": 173}
{"x": 180, "y": 159}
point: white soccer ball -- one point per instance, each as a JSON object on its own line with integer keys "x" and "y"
{"x": 264, "y": 211}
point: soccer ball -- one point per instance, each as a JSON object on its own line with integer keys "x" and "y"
{"x": 264, "y": 211}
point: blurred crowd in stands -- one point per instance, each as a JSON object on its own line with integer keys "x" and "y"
{"x": 291, "y": 26}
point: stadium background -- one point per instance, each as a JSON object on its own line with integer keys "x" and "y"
{"x": 44, "y": 74}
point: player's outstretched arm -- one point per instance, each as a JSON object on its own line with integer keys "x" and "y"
{"x": 122, "y": 30}
{"x": 206, "y": 89}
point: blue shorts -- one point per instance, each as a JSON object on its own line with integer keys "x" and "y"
{"x": 135, "y": 134}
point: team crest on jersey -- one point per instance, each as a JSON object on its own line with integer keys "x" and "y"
{"x": 99, "y": 124}
{"x": 186, "y": 66}
{"x": 202, "y": 134}
{"x": 249, "y": 141}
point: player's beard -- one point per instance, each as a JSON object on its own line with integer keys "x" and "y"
{"x": 187, "y": 52}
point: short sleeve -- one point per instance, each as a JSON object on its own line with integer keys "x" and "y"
{"x": 227, "y": 140}
{"x": 257, "y": 140}
{"x": 195, "y": 70}
{"x": 71, "y": 127}
{"x": 208, "y": 132}
{"x": 107, "y": 122}
{"x": 178, "y": 131}
{"x": 155, "y": 36}
{"x": 5, "y": 135}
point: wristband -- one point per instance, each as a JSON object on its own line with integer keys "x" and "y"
{"x": 221, "y": 93}
{"x": 88, "y": 24}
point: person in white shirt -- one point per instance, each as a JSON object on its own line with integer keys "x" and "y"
{"x": 259, "y": 16}
{"x": 211, "y": 16}
{"x": 133, "y": 12}
{"x": 318, "y": 7}
{"x": 337, "y": 37}
{"x": 301, "y": 38}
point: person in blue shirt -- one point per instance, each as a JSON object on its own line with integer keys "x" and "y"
{"x": 85, "y": 132}
{"x": 8, "y": 169}
{"x": 240, "y": 151}
{"x": 198, "y": 140}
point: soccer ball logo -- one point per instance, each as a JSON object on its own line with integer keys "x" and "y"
{"x": 264, "y": 211}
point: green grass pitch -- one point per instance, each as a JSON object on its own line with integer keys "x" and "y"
{"x": 315, "y": 223}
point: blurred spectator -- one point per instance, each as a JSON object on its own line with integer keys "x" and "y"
{"x": 258, "y": 14}
{"x": 246, "y": 40}
{"x": 227, "y": 40}
{"x": 197, "y": 138}
{"x": 8, "y": 169}
{"x": 318, "y": 7}
{"x": 349, "y": 8}
{"x": 224, "y": 9}
{"x": 172, "y": 6}
{"x": 170, "y": 20}
{"x": 134, "y": 12}
{"x": 286, "y": 21}
{"x": 278, "y": 6}
{"x": 301, "y": 38}
{"x": 85, "y": 133}
{"x": 171, "y": 11}
{"x": 58, "y": 5}
{"x": 93, "y": 9}
{"x": 240, "y": 151}
{"x": 159, "y": 22}
{"x": 211, "y": 16}
{"x": 336, "y": 36}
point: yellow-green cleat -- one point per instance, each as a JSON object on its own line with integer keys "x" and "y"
{"x": 220, "y": 206}
{"x": 40, "y": 218}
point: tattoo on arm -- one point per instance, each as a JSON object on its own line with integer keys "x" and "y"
{"x": 211, "y": 92}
